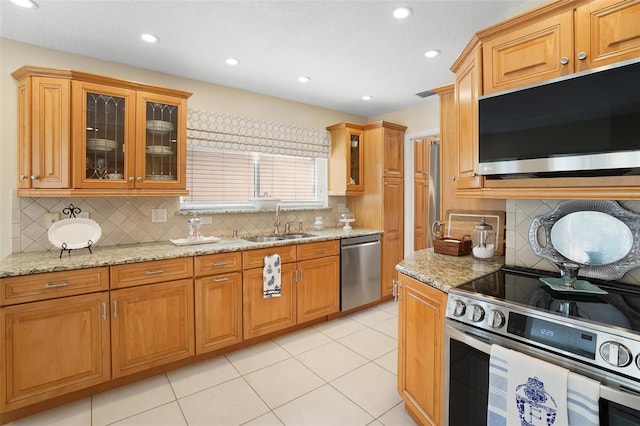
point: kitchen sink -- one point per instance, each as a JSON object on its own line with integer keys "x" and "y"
{"x": 277, "y": 237}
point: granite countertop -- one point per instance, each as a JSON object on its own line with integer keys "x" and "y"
{"x": 442, "y": 271}
{"x": 49, "y": 261}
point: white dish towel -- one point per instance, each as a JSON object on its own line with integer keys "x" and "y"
{"x": 583, "y": 394}
{"x": 271, "y": 279}
{"x": 525, "y": 390}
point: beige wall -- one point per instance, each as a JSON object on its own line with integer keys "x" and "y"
{"x": 205, "y": 96}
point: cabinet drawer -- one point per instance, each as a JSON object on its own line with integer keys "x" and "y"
{"x": 319, "y": 249}
{"x": 154, "y": 271}
{"x": 255, "y": 258}
{"x": 218, "y": 263}
{"x": 50, "y": 285}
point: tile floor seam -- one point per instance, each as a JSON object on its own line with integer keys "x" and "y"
{"x": 352, "y": 401}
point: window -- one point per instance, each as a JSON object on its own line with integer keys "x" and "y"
{"x": 230, "y": 179}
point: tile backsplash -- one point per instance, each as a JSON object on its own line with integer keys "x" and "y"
{"x": 518, "y": 252}
{"x": 127, "y": 220}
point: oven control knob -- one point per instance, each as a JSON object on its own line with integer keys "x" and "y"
{"x": 459, "y": 308}
{"x": 496, "y": 318}
{"x": 475, "y": 313}
{"x": 615, "y": 353}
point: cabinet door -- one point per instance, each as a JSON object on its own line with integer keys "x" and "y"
{"x": 355, "y": 161}
{"x": 152, "y": 325}
{"x": 607, "y": 31}
{"x": 420, "y": 206}
{"x": 218, "y": 304}
{"x": 393, "y": 152}
{"x": 51, "y": 348}
{"x": 420, "y": 345}
{"x": 420, "y": 158}
{"x": 263, "y": 316}
{"x": 536, "y": 52}
{"x": 104, "y": 136}
{"x": 467, "y": 88}
{"x": 24, "y": 134}
{"x": 160, "y": 146}
{"x": 392, "y": 238}
{"x": 50, "y": 132}
{"x": 318, "y": 288}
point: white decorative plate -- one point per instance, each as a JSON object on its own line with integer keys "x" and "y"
{"x": 159, "y": 150}
{"x": 188, "y": 242}
{"x": 75, "y": 233}
{"x": 159, "y": 126}
{"x": 101, "y": 145}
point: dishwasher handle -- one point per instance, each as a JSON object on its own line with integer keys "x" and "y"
{"x": 345, "y": 242}
{"x": 359, "y": 246}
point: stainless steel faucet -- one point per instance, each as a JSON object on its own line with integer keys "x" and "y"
{"x": 277, "y": 224}
{"x": 287, "y": 226}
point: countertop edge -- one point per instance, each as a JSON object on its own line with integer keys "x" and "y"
{"x": 48, "y": 261}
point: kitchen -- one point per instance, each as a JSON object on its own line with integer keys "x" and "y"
{"x": 519, "y": 212}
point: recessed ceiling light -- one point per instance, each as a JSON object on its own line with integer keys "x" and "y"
{"x": 402, "y": 12}
{"x": 304, "y": 79}
{"x": 150, "y": 38}
{"x": 232, "y": 61}
{"x": 432, "y": 53}
{"x": 367, "y": 97}
{"x": 25, "y": 3}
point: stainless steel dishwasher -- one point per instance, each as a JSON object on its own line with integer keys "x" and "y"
{"x": 359, "y": 271}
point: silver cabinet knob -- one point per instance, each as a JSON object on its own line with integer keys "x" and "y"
{"x": 564, "y": 60}
{"x": 582, "y": 56}
{"x": 474, "y": 174}
{"x": 23, "y": 177}
{"x": 35, "y": 177}
{"x": 139, "y": 179}
{"x": 131, "y": 179}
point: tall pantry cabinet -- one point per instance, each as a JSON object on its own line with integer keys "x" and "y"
{"x": 382, "y": 204}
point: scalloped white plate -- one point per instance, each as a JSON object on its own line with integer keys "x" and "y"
{"x": 75, "y": 233}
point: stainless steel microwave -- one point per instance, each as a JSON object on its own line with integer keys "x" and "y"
{"x": 587, "y": 124}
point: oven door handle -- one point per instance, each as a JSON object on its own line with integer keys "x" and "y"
{"x": 475, "y": 342}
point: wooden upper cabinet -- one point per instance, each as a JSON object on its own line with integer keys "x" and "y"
{"x": 467, "y": 89}
{"x": 393, "y": 150}
{"x": 346, "y": 164}
{"x": 44, "y": 137}
{"x": 127, "y": 138}
{"x": 607, "y": 31}
{"x": 535, "y": 52}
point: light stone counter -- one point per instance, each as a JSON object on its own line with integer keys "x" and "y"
{"x": 49, "y": 261}
{"x": 442, "y": 271}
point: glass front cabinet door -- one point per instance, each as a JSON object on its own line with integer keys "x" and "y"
{"x": 127, "y": 139}
{"x": 160, "y": 155}
{"x": 355, "y": 183}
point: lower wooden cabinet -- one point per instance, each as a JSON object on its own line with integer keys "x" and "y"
{"x": 52, "y": 348}
{"x": 318, "y": 292}
{"x": 152, "y": 325}
{"x": 420, "y": 349}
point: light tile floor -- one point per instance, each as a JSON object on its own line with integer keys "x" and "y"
{"x": 341, "y": 372}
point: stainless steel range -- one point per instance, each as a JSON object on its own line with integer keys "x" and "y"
{"x": 595, "y": 335}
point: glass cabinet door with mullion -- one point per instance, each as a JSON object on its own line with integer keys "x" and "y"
{"x": 160, "y": 155}
{"x": 355, "y": 161}
{"x": 104, "y": 135}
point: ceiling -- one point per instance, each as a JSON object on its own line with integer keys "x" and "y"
{"x": 349, "y": 48}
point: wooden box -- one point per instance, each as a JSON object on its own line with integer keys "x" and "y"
{"x": 453, "y": 246}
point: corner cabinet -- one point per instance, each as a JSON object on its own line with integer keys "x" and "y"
{"x": 421, "y": 311}
{"x": 346, "y": 164}
{"x": 87, "y": 135}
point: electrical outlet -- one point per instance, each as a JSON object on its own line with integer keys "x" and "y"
{"x": 49, "y": 219}
{"x": 158, "y": 215}
{"x": 206, "y": 220}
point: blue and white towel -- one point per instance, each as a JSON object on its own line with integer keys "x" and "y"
{"x": 525, "y": 391}
{"x": 271, "y": 279}
{"x": 582, "y": 400}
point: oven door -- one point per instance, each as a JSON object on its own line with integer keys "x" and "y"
{"x": 466, "y": 383}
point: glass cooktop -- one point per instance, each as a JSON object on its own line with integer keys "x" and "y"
{"x": 620, "y": 307}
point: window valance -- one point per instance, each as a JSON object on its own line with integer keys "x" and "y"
{"x": 227, "y": 132}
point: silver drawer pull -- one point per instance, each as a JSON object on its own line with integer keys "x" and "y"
{"x": 321, "y": 250}
{"x": 219, "y": 280}
{"x": 62, "y": 284}
{"x": 115, "y": 309}
{"x": 104, "y": 311}
{"x": 219, "y": 264}
{"x": 157, "y": 271}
